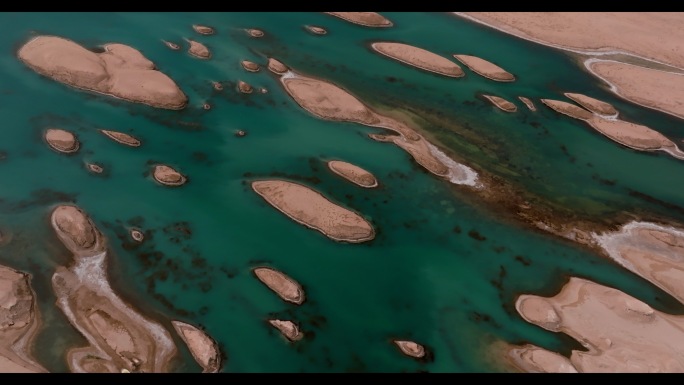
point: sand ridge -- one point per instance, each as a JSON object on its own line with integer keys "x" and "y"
{"x": 501, "y": 103}
{"x": 594, "y": 105}
{"x": 419, "y": 58}
{"x": 533, "y": 359}
{"x": 367, "y": 19}
{"x": 288, "y": 329}
{"x": 485, "y": 68}
{"x": 122, "y": 138}
{"x": 528, "y": 103}
{"x": 287, "y": 288}
{"x": 202, "y": 347}
{"x": 353, "y": 173}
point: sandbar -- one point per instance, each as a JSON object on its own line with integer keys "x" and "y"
{"x": 255, "y": 32}
{"x": 122, "y": 138}
{"x": 77, "y": 231}
{"x": 198, "y": 50}
{"x": 171, "y": 45}
{"x": 353, "y": 173}
{"x": 203, "y": 29}
{"x": 168, "y": 176}
{"x": 528, "y": 103}
{"x": 533, "y": 359}
{"x": 244, "y": 87}
{"x": 410, "y": 348}
{"x": 61, "y": 140}
{"x": 501, "y": 103}
{"x": 594, "y": 105}
{"x": 419, "y": 58}
{"x": 94, "y": 168}
{"x": 121, "y": 71}
{"x": 485, "y": 68}
{"x": 287, "y": 288}
{"x": 277, "y": 67}
{"x": 367, "y": 19}
{"x": 250, "y": 66}
{"x": 568, "y": 109}
{"x": 316, "y": 30}
{"x": 288, "y": 329}
{"x": 203, "y": 348}
{"x": 310, "y": 208}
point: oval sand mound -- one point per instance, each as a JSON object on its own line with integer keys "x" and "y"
{"x": 353, "y": 173}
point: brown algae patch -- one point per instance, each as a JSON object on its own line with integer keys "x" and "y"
{"x": 528, "y": 103}
{"x": 168, "y": 176}
{"x": 353, "y": 173}
{"x": 122, "y": 138}
{"x": 121, "y": 71}
{"x": 410, "y": 348}
{"x": 199, "y": 50}
{"x": 288, "y": 329}
{"x": 287, "y": 288}
{"x": 61, "y": 140}
{"x": 203, "y": 29}
{"x": 501, "y": 103}
{"x": 367, "y": 19}
{"x": 485, "y": 68}
{"x": 250, "y": 66}
{"x": 310, "y": 208}
{"x": 244, "y": 87}
{"x": 203, "y": 348}
{"x": 594, "y": 105}
{"x": 316, "y": 30}
{"x": 254, "y": 32}
{"x": 419, "y": 58}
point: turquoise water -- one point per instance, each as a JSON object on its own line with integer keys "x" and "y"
{"x": 441, "y": 271}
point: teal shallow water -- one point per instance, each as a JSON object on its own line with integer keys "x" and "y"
{"x": 425, "y": 277}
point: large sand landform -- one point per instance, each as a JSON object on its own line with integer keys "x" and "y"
{"x": 287, "y": 288}
{"x": 202, "y": 347}
{"x": 353, "y": 173}
{"x": 77, "y": 231}
{"x": 121, "y": 71}
{"x": 501, "y": 103}
{"x": 288, "y": 329}
{"x": 122, "y": 138}
{"x": 61, "y": 140}
{"x": 594, "y": 105}
{"x": 533, "y": 359}
{"x": 367, "y": 19}
{"x": 310, "y": 208}
{"x": 419, "y": 58}
{"x": 568, "y": 109}
{"x": 485, "y": 68}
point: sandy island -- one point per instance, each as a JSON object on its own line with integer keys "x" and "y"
{"x": 353, "y": 173}
{"x": 19, "y": 322}
{"x": 594, "y": 105}
{"x": 287, "y": 288}
{"x": 198, "y": 50}
{"x": 501, "y": 103}
{"x": 254, "y": 32}
{"x": 119, "y": 338}
{"x": 310, "y": 208}
{"x": 171, "y": 45}
{"x": 367, "y": 19}
{"x": 203, "y": 29}
{"x": 250, "y": 66}
{"x": 419, "y": 58}
{"x": 137, "y": 235}
{"x": 168, "y": 176}
{"x": 122, "y": 138}
{"x": 288, "y": 329}
{"x": 410, "y": 348}
{"x": 244, "y": 87}
{"x": 277, "y": 67}
{"x": 485, "y": 68}
{"x": 528, "y": 103}
{"x": 203, "y": 348}
{"x": 92, "y": 167}
{"x": 121, "y": 71}
{"x": 316, "y": 30}
{"x": 61, "y": 140}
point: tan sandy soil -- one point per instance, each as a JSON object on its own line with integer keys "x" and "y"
{"x": 168, "y": 176}
{"x": 203, "y": 348}
{"x": 368, "y": 19}
{"x": 118, "y": 337}
{"x": 61, "y": 140}
{"x": 94, "y": 168}
{"x": 528, "y": 103}
{"x": 410, "y": 348}
{"x": 501, "y": 103}
{"x": 419, "y": 58}
{"x": 316, "y": 30}
{"x": 287, "y": 288}
{"x": 594, "y": 105}
{"x": 250, "y": 66}
{"x": 171, "y": 45}
{"x": 353, "y": 173}
{"x": 277, "y": 67}
{"x": 19, "y": 323}
{"x": 312, "y": 209}
{"x": 485, "y": 68}
{"x": 533, "y": 359}
{"x": 621, "y": 333}
{"x": 122, "y": 138}
{"x": 288, "y": 328}
{"x": 199, "y": 50}
{"x": 245, "y": 88}
{"x": 120, "y": 71}
{"x": 203, "y": 29}
{"x": 568, "y": 109}
{"x": 137, "y": 235}
{"x": 255, "y": 32}
{"x": 663, "y": 91}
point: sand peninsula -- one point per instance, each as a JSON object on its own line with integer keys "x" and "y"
{"x": 119, "y": 338}
{"x": 288, "y": 329}
{"x": 419, "y": 58}
{"x": 61, "y": 140}
{"x": 628, "y": 134}
{"x": 19, "y": 322}
{"x": 315, "y": 29}
{"x": 121, "y": 71}
{"x": 254, "y": 32}
{"x": 311, "y": 209}
{"x": 203, "y": 29}
{"x": 250, "y": 66}
{"x": 528, "y": 103}
{"x": 122, "y": 138}
{"x": 410, "y": 348}
{"x": 287, "y": 288}
{"x": 353, "y": 173}
{"x": 244, "y": 87}
{"x": 203, "y": 348}
{"x": 367, "y": 19}
{"x": 594, "y": 105}
{"x": 501, "y": 103}
{"x": 199, "y": 50}
{"x": 533, "y": 359}
{"x": 621, "y": 333}
{"x": 277, "y": 67}
{"x": 485, "y": 68}
{"x": 168, "y": 176}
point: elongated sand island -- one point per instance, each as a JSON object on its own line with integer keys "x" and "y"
{"x": 122, "y": 138}
{"x": 61, "y": 140}
{"x": 316, "y": 30}
{"x": 19, "y": 322}
{"x": 485, "y": 68}
{"x": 119, "y": 338}
{"x": 250, "y": 66}
{"x": 419, "y": 58}
{"x": 287, "y": 288}
{"x": 168, "y": 176}
{"x": 528, "y": 103}
{"x": 410, "y": 348}
{"x": 202, "y": 347}
{"x": 254, "y": 32}
{"x": 501, "y": 103}
{"x": 288, "y": 329}
{"x": 313, "y": 210}
{"x": 199, "y": 50}
{"x": 121, "y": 71}
{"x": 621, "y": 333}
{"x": 594, "y": 105}
{"x": 353, "y": 173}
{"x": 203, "y": 29}
{"x": 367, "y": 19}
